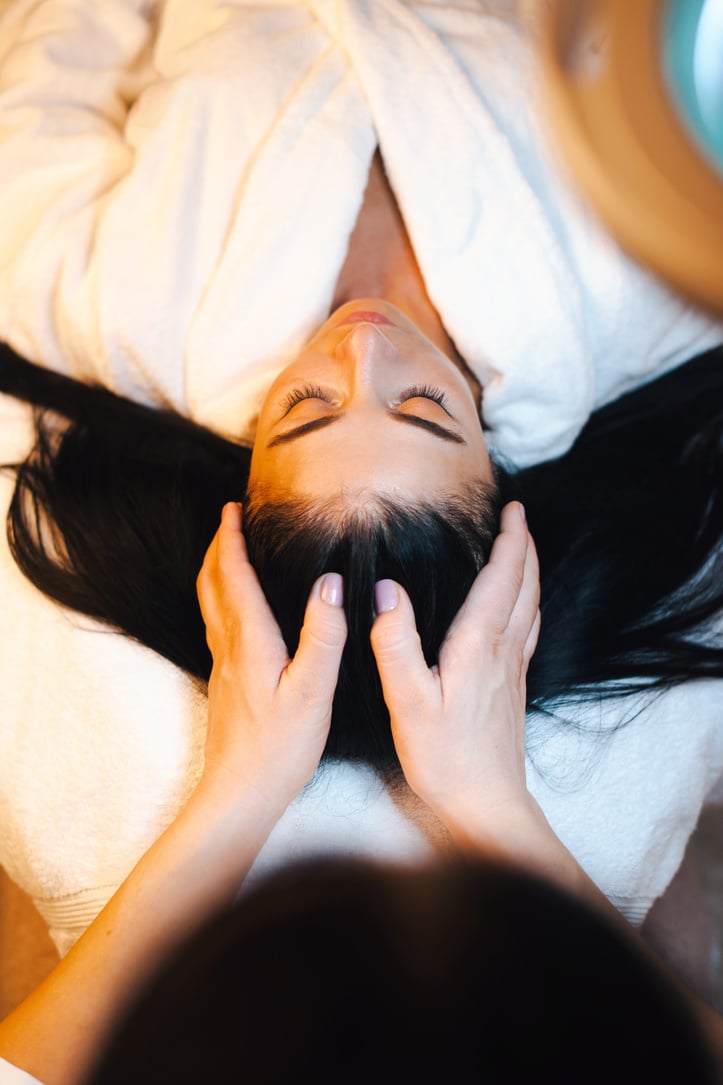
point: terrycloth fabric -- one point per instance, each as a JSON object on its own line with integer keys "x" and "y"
{"x": 101, "y": 741}
{"x": 180, "y": 180}
{"x": 11, "y": 1075}
{"x": 178, "y": 183}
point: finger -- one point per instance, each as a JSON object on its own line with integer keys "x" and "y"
{"x": 237, "y": 578}
{"x": 223, "y": 549}
{"x": 233, "y": 604}
{"x": 407, "y": 681}
{"x": 527, "y": 604}
{"x": 314, "y": 670}
{"x": 204, "y": 578}
{"x": 532, "y": 638}
{"x": 491, "y": 600}
{"x": 496, "y": 589}
{"x": 231, "y": 542}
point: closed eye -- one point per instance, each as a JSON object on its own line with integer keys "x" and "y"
{"x": 424, "y": 391}
{"x": 308, "y": 391}
{"x": 315, "y": 392}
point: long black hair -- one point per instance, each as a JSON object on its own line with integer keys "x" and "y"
{"x": 115, "y": 506}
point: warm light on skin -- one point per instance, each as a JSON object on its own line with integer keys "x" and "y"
{"x": 364, "y": 435}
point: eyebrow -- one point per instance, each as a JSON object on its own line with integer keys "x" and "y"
{"x": 410, "y": 419}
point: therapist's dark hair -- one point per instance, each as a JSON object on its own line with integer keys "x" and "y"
{"x": 457, "y": 971}
{"x": 115, "y": 506}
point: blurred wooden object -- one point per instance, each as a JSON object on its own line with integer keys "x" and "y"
{"x": 625, "y": 142}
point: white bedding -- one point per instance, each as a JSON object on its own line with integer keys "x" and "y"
{"x": 179, "y": 181}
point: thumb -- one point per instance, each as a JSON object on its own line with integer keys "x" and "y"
{"x": 403, "y": 670}
{"x": 314, "y": 669}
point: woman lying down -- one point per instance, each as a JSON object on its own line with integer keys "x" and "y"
{"x": 372, "y": 597}
{"x": 396, "y": 437}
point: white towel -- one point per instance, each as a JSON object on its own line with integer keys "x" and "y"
{"x": 101, "y": 742}
{"x": 12, "y": 1075}
{"x": 179, "y": 184}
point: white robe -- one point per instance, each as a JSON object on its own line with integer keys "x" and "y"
{"x": 179, "y": 182}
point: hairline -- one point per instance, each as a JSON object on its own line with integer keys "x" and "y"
{"x": 363, "y": 508}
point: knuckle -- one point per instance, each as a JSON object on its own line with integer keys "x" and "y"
{"x": 389, "y": 651}
{"x": 471, "y": 643}
{"x": 325, "y": 631}
{"x": 391, "y": 640}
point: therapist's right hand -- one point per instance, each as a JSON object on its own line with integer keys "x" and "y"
{"x": 268, "y": 715}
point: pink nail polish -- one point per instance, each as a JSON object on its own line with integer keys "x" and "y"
{"x": 386, "y": 595}
{"x": 332, "y": 589}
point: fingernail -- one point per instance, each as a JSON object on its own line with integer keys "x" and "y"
{"x": 523, "y": 514}
{"x": 229, "y": 506}
{"x": 332, "y": 589}
{"x": 386, "y": 595}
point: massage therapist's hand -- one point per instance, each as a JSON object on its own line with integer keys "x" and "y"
{"x": 268, "y": 721}
{"x": 459, "y": 727}
{"x": 268, "y": 716}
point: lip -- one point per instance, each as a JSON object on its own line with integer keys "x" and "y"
{"x": 365, "y": 316}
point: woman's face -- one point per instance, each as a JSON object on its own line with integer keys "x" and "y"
{"x": 370, "y": 404}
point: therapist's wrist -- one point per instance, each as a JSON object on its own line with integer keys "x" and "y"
{"x": 512, "y": 827}
{"x": 245, "y": 802}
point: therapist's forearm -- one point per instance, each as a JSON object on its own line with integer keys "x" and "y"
{"x": 197, "y": 864}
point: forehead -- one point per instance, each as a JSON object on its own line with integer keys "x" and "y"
{"x": 383, "y": 457}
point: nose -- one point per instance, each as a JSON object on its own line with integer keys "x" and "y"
{"x": 368, "y": 357}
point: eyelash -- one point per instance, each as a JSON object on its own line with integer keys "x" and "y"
{"x": 417, "y": 391}
{"x": 308, "y": 391}
{"x": 424, "y": 391}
